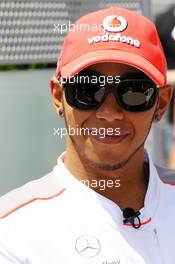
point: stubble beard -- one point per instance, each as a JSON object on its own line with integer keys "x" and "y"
{"x": 106, "y": 167}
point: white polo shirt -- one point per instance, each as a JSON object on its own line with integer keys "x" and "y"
{"x": 58, "y": 220}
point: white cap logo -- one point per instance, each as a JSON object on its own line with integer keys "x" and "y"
{"x": 114, "y": 23}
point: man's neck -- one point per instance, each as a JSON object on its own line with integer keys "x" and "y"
{"x": 132, "y": 178}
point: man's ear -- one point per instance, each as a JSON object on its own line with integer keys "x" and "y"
{"x": 165, "y": 95}
{"x": 57, "y": 94}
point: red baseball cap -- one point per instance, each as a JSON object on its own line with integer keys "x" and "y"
{"x": 113, "y": 35}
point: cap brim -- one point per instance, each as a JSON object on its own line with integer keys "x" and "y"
{"x": 118, "y": 56}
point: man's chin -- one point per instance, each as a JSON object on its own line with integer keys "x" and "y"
{"x": 109, "y": 155}
{"x": 107, "y": 162}
{"x": 106, "y": 159}
{"x": 106, "y": 166}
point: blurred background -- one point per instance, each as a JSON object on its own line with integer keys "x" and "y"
{"x": 29, "y": 46}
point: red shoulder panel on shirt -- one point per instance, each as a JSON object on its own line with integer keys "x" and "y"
{"x": 44, "y": 188}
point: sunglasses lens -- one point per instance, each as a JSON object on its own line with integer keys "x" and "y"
{"x": 136, "y": 95}
{"x": 84, "y": 94}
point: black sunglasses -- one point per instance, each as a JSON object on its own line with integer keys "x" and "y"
{"x": 133, "y": 95}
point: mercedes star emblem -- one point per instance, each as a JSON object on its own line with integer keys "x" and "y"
{"x": 87, "y": 246}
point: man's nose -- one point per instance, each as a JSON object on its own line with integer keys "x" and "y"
{"x": 110, "y": 109}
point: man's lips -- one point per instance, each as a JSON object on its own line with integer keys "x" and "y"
{"x": 111, "y": 139}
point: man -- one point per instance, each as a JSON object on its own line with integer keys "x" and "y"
{"x": 105, "y": 201}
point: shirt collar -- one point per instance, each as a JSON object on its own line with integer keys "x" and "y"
{"x": 151, "y": 199}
